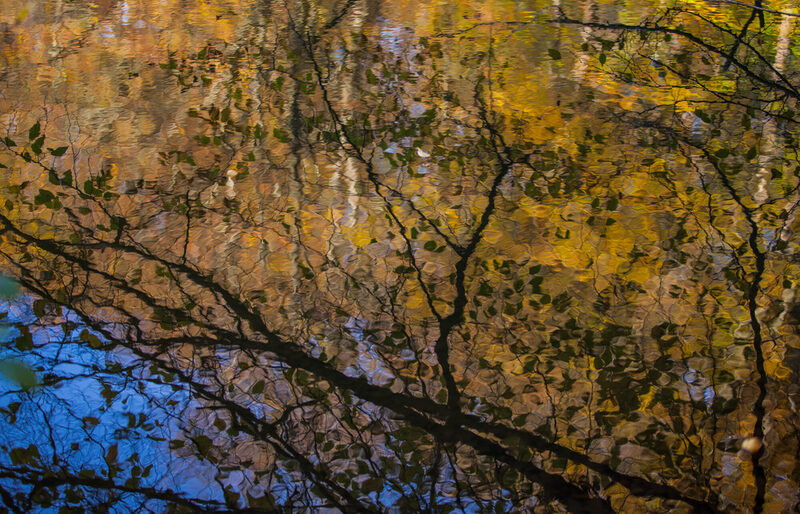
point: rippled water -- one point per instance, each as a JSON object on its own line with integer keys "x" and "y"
{"x": 399, "y": 256}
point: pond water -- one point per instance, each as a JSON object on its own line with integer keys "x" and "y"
{"x": 433, "y": 256}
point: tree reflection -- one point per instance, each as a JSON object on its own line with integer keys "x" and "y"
{"x": 387, "y": 275}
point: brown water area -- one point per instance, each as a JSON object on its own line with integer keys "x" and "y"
{"x": 394, "y": 256}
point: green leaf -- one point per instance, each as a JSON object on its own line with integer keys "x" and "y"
{"x": 281, "y": 135}
{"x": 24, "y": 342}
{"x": 9, "y": 143}
{"x": 430, "y": 246}
{"x": 555, "y": 54}
{"x": 111, "y": 454}
{"x": 258, "y": 388}
{"x": 371, "y": 485}
{"x": 703, "y": 116}
{"x": 58, "y": 152}
{"x": 278, "y": 84}
{"x": 93, "y": 340}
{"x": 43, "y": 197}
{"x": 408, "y": 433}
{"x": 722, "y": 153}
{"x": 38, "y": 308}
{"x": 612, "y": 204}
{"x": 203, "y": 444}
{"x": 33, "y": 133}
{"x": 485, "y": 290}
{"x": 27, "y": 455}
{"x": 36, "y": 146}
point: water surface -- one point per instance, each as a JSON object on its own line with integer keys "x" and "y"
{"x": 400, "y": 256}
